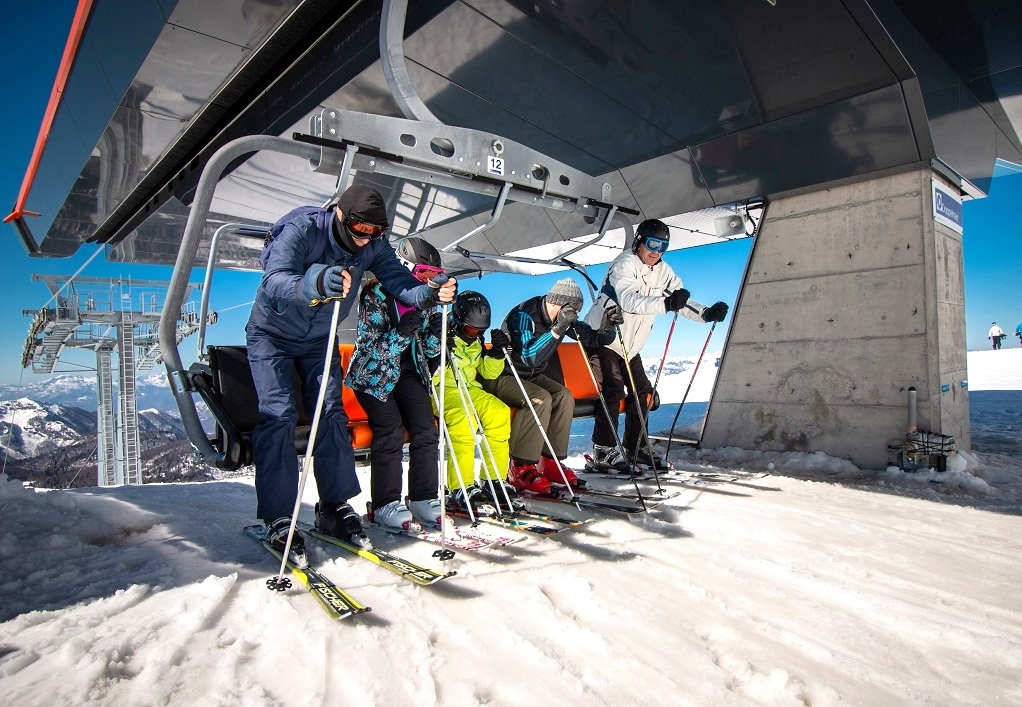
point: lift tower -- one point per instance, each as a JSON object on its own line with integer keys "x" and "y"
{"x": 107, "y": 315}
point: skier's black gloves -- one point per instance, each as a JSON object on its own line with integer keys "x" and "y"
{"x": 499, "y": 341}
{"x": 436, "y": 321}
{"x": 409, "y": 323}
{"x": 612, "y": 317}
{"x": 565, "y": 318}
{"x": 676, "y": 300}
{"x": 715, "y": 312}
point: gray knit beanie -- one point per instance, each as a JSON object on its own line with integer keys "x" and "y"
{"x": 565, "y": 292}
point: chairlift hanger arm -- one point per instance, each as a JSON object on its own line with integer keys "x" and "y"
{"x": 370, "y": 160}
{"x": 453, "y": 150}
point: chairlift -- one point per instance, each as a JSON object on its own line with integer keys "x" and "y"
{"x": 341, "y": 143}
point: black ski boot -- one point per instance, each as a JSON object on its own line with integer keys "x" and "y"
{"x": 643, "y": 459}
{"x": 474, "y": 498}
{"x": 609, "y": 460}
{"x": 501, "y": 500}
{"x": 276, "y": 534}
{"x": 340, "y": 520}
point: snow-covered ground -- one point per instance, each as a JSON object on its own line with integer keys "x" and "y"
{"x": 821, "y": 584}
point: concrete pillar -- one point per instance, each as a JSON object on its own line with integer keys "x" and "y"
{"x": 853, "y": 294}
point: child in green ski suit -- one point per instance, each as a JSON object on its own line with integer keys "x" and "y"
{"x": 469, "y": 319}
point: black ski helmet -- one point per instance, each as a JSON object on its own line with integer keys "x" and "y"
{"x": 412, "y": 251}
{"x": 650, "y": 227}
{"x": 471, "y": 312}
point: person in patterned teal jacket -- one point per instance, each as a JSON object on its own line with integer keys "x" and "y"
{"x": 387, "y": 374}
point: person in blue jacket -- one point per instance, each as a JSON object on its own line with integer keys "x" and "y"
{"x": 287, "y": 334}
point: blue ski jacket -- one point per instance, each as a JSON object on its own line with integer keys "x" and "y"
{"x": 376, "y": 362}
{"x": 282, "y": 305}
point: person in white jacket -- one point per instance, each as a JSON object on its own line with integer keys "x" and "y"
{"x": 996, "y": 336}
{"x": 643, "y": 286}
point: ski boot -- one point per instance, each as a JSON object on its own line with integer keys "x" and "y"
{"x": 550, "y": 471}
{"x": 524, "y": 476}
{"x": 276, "y": 535}
{"x": 340, "y": 520}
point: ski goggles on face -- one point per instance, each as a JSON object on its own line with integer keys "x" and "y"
{"x": 363, "y": 229}
{"x": 425, "y": 273}
{"x": 654, "y": 244}
{"x": 471, "y": 331}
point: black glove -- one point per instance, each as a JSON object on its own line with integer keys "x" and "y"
{"x": 715, "y": 312}
{"x": 676, "y": 300}
{"x": 565, "y": 318}
{"x": 330, "y": 282}
{"x": 499, "y": 341}
{"x": 436, "y": 322}
{"x": 409, "y": 323}
{"x": 612, "y": 317}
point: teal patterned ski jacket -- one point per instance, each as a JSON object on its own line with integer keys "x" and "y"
{"x": 376, "y": 362}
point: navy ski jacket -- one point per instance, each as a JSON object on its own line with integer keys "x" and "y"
{"x": 532, "y": 344}
{"x": 282, "y": 306}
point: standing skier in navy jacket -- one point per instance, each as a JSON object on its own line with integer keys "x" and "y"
{"x": 287, "y": 333}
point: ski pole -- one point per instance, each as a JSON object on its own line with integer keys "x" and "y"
{"x": 546, "y": 440}
{"x": 670, "y": 437}
{"x": 663, "y": 358}
{"x": 442, "y": 451}
{"x": 606, "y": 411}
{"x": 279, "y": 581}
{"x": 481, "y": 440}
{"x": 638, "y": 408}
{"x": 445, "y": 434}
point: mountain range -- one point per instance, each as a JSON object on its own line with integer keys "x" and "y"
{"x": 151, "y": 391}
{"x": 48, "y": 433}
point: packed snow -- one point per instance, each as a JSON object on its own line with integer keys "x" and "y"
{"x": 819, "y": 584}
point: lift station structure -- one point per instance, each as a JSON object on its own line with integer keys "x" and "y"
{"x": 107, "y": 315}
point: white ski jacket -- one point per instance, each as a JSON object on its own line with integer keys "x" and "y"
{"x": 639, "y": 290}
{"x": 995, "y": 331}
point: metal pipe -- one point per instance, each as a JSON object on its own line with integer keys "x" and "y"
{"x": 178, "y": 286}
{"x": 494, "y": 216}
{"x": 214, "y": 244}
{"x": 911, "y": 410}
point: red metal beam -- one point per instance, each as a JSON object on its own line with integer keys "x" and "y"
{"x": 70, "y": 52}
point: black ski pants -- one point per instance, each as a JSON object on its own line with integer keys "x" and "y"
{"x": 407, "y": 408}
{"x": 612, "y": 377}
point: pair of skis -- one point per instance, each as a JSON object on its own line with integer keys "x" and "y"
{"x": 338, "y": 603}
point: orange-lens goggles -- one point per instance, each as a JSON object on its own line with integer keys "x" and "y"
{"x": 364, "y": 229}
{"x": 471, "y": 331}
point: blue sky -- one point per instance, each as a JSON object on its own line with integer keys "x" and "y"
{"x": 31, "y": 44}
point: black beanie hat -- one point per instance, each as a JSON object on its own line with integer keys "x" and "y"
{"x": 364, "y": 203}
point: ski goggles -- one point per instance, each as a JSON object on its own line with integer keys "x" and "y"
{"x": 471, "y": 331}
{"x": 363, "y": 229}
{"x": 425, "y": 273}
{"x": 654, "y": 244}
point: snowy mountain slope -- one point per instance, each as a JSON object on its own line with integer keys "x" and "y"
{"x": 821, "y": 584}
{"x": 29, "y": 428}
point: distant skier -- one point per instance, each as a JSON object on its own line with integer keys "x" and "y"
{"x": 643, "y": 285}
{"x": 1018, "y": 333}
{"x": 996, "y": 335}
